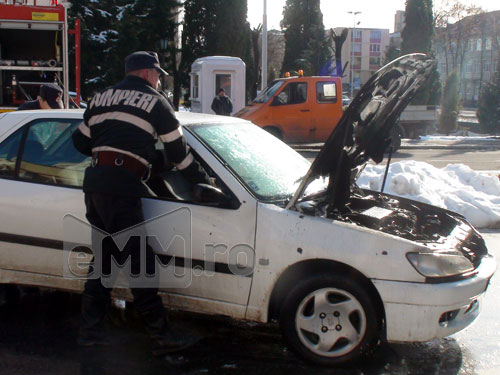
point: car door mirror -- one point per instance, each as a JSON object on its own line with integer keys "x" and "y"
{"x": 210, "y": 195}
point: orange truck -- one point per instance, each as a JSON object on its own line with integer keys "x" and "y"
{"x": 298, "y": 109}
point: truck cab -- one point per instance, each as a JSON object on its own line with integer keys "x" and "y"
{"x": 298, "y": 109}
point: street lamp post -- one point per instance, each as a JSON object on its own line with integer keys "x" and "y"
{"x": 264, "y": 48}
{"x": 352, "y": 49}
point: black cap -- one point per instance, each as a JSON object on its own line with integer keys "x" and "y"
{"x": 143, "y": 60}
{"x": 51, "y": 93}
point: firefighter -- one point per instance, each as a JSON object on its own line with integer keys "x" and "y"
{"x": 121, "y": 126}
{"x": 49, "y": 97}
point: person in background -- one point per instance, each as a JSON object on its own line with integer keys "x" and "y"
{"x": 48, "y": 98}
{"x": 221, "y": 104}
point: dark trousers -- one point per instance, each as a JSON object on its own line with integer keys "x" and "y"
{"x": 114, "y": 213}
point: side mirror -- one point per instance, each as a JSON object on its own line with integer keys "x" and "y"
{"x": 210, "y": 195}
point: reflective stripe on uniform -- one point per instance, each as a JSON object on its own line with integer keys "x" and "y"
{"x": 84, "y": 129}
{"x": 125, "y": 117}
{"x": 186, "y": 162}
{"x": 107, "y": 148}
{"x": 172, "y": 136}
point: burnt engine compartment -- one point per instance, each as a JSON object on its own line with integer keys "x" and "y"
{"x": 435, "y": 227}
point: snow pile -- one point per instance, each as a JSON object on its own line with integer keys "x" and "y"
{"x": 456, "y": 187}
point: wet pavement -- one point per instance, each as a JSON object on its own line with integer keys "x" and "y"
{"x": 38, "y": 336}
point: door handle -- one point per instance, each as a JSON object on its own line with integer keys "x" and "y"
{"x": 305, "y": 110}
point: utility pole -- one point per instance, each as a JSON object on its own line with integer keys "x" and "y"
{"x": 264, "y": 48}
{"x": 352, "y": 50}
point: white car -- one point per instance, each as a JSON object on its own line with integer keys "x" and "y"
{"x": 340, "y": 268}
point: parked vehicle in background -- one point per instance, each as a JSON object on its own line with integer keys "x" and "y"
{"x": 345, "y": 100}
{"x": 297, "y": 109}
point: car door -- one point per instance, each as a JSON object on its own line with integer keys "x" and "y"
{"x": 327, "y": 108}
{"x": 40, "y": 175}
{"x": 292, "y": 112}
{"x": 214, "y": 245}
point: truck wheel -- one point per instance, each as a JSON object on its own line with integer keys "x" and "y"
{"x": 274, "y": 131}
{"x": 329, "y": 320}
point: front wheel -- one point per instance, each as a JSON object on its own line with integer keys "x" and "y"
{"x": 329, "y": 320}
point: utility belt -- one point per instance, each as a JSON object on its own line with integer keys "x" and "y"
{"x": 118, "y": 159}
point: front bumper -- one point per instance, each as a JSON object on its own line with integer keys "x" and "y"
{"x": 422, "y": 312}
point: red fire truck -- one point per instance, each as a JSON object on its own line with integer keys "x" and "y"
{"x": 34, "y": 50}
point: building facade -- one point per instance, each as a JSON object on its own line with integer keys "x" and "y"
{"x": 364, "y": 49}
{"x": 471, "y": 47}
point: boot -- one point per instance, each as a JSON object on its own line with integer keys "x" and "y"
{"x": 92, "y": 331}
{"x": 166, "y": 338}
{"x": 174, "y": 339}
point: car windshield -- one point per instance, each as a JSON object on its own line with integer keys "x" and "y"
{"x": 269, "y": 91}
{"x": 268, "y": 167}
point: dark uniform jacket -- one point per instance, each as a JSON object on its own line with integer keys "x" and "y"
{"x": 129, "y": 118}
{"x": 32, "y": 104}
{"x": 222, "y": 105}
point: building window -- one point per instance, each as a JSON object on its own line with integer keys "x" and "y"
{"x": 375, "y": 35}
{"x": 223, "y": 81}
{"x": 443, "y": 68}
{"x": 468, "y": 67}
{"x": 488, "y": 44}
{"x": 374, "y": 47}
{"x": 475, "y": 67}
{"x": 479, "y": 45}
{"x": 356, "y": 48}
{"x": 195, "y": 79}
{"x": 374, "y": 62}
{"x": 356, "y": 63}
{"x": 470, "y": 45}
{"x": 357, "y": 34}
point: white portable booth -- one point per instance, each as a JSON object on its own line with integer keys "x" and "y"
{"x": 208, "y": 74}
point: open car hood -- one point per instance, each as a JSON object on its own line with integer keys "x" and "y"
{"x": 363, "y": 131}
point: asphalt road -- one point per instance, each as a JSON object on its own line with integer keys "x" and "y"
{"x": 484, "y": 159}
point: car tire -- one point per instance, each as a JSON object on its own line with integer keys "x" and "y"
{"x": 330, "y": 320}
{"x": 274, "y": 131}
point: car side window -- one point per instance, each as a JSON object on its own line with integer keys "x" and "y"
{"x": 9, "y": 150}
{"x": 293, "y": 93}
{"x": 48, "y": 154}
{"x": 326, "y": 92}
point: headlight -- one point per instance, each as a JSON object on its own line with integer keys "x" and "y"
{"x": 440, "y": 264}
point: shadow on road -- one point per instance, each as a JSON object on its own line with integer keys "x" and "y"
{"x": 38, "y": 335}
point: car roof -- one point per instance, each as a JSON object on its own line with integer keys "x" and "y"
{"x": 184, "y": 117}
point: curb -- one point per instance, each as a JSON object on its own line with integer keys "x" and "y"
{"x": 316, "y": 148}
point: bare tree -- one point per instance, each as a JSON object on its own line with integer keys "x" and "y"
{"x": 455, "y": 25}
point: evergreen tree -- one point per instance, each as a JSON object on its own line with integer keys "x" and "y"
{"x": 392, "y": 52}
{"x": 99, "y": 34}
{"x": 112, "y": 29}
{"x": 488, "y": 111}
{"x": 215, "y": 27}
{"x": 419, "y": 27}
{"x": 417, "y": 37}
{"x": 306, "y": 46}
{"x": 450, "y": 105}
